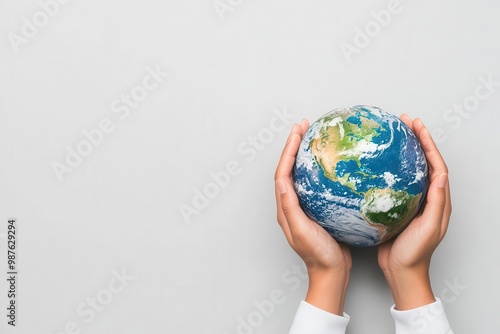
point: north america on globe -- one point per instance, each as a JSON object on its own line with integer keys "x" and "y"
{"x": 361, "y": 174}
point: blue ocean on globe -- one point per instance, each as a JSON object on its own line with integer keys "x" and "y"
{"x": 361, "y": 174}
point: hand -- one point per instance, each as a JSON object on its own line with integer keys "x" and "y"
{"x": 406, "y": 259}
{"x": 328, "y": 263}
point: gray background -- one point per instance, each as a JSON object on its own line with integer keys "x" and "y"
{"x": 120, "y": 208}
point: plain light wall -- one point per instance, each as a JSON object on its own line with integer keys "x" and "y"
{"x": 233, "y": 66}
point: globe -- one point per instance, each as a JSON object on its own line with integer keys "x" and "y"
{"x": 361, "y": 174}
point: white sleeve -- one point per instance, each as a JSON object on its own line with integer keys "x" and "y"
{"x": 428, "y": 319}
{"x": 312, "y": 320}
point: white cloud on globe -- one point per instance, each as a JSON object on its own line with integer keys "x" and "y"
{"x": 418, "y": 176}
{"x": 390, "y": 179}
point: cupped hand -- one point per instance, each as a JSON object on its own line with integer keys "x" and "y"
{"x": 405, "y": 260}
{"x": 328, "y": 262}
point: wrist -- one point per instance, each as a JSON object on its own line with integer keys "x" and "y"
{"x": 327, "y": 290}
{"x": 410, "y": 287}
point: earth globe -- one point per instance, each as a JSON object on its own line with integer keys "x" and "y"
{"x": 361, "y": 174}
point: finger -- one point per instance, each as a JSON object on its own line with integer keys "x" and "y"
{"x": 437, "y": 165}
{"x": 447, "y": 210}
{"x": 418, "y": 125}
{"x": 281, "y": 216}
{"x": 436, "y": 204}
{"x": 284, "y": 161}
{"x": 295, "y": 217}
{"x": 295, "y": 129}
{"x": 304, "y": 126}
{"x": 435, "y": 160}
{"x": 407, "y": 120}
{"x": 287, "y": 160}
{"x": 283, "y": 172}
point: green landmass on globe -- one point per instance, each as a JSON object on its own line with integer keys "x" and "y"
{"x": 400, "y": 210}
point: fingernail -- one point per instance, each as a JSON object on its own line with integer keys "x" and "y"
{"x": 281, "y": 186}
{"x": 442, "y": 180}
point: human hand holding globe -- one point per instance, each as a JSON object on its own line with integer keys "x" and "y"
{"x": 404, "y": 260}
{"x": 326, "y": 260}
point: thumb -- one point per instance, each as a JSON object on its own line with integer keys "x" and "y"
{"x": 290, "y": 204}
{"x": 436, "y": 200}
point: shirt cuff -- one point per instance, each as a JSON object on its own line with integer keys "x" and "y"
{"x": 428, "y": 319}
{"x": 312, "y": 320}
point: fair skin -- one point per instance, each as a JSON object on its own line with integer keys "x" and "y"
{"x": 404, "y": 260}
